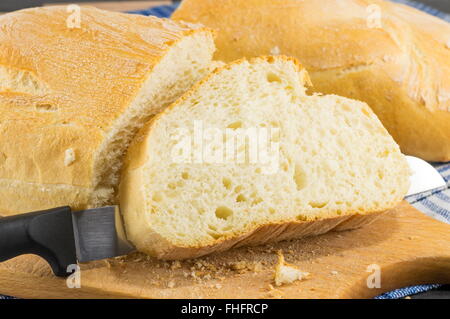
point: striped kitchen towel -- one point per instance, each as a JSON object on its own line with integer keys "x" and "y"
{"x": 167, "y": 10}
{"x": 425, "y": 8}
{"x": 159, "y": 11}
{"x": 435, "y": 203}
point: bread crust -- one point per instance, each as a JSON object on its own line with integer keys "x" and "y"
{"x": 401, "y": 69}
{"x": 133, "y": 197}
{"x": 62, "y": 90}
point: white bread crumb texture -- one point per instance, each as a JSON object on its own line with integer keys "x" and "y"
{"x": 286, "y": 273}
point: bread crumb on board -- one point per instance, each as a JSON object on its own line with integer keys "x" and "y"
{"x": 175, "y": 265}
{"x": 286, "y": 273}
{"x": 171, "y": 284}
{"x": 243, "y": 266}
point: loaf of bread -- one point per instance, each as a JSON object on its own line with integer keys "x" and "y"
{"x": 395, "y": 58}
{"x": 247, "y": 157}
{"x": 72, "y": 97}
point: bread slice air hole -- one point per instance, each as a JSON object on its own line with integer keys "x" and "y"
{"x": 226, "y": 182}
{"x": 299, "y": 177}
{"x": 172, "y": 185}
{"x": 235, "y": 125}
{"x": 272, "y": 77}
{"x": 214, "y": 235}
{"x": 157, "y": 197}
{"x": 257, "y": 201}
{"x": 366, "y": 112}
{"x": 346, "y": 108}
{"x": 274, "y": 124}
{"x": 223, "y": 212}
{"x": 382, "y": 154}
{"x": 318, "y": 204}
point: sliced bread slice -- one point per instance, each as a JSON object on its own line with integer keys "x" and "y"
{"x": 247, "y": 157}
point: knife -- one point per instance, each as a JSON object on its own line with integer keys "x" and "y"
{"x": 424, "y": 177}
{"x": 63, "y": 237}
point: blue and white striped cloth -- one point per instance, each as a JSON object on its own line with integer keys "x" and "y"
{"x": 425, "y": 8}
{"x": 159, "y": 11}
{"x": 435, "y": 203}
{"x": 167, "y": 10}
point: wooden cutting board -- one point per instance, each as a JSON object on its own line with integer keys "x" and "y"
{"x": 409, "y": 247}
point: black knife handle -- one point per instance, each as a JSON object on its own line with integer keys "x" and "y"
{"x": 47, "y": 233}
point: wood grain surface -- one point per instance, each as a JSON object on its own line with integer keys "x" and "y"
{"x": 409, "y": 247}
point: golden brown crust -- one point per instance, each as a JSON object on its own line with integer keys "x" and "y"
{"x": 272, "y": 233}
{"x": 401, "y": 70}
{"x": 62, "y": 90}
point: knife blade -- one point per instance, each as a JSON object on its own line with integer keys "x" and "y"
{"x": 63, "y": 237}
{"x": 424, "y": 177}
{"x": 99, "y": 234}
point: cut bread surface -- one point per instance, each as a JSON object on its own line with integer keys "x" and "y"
{"x": 185, "y": 63}
{"x": 328, "y": 158}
